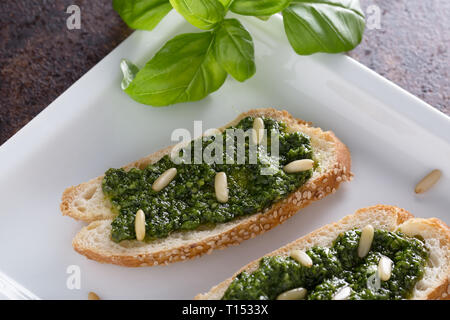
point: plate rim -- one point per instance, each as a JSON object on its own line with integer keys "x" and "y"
{"x": 422, "y": 113}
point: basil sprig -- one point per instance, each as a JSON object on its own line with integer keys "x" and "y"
{"x": 191, "y": 66}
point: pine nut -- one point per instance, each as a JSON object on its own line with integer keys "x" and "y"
{"x": 299, "y": 166}
{"x": 343, "y": 294}
{"x": 294, "y": 294}
{"x": 365, "y": 242}
{"x": 93, "y": 296}
{"x": 258, "y": 133}
{"x": 164, "y": 179}
{"x": 221, "y": 187}
{"x": 384, "y": 268}
{"x": 139, "y": 225}
{"x": 430, "y": 180}
{"x": 301, "y": 257}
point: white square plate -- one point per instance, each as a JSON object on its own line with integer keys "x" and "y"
{"x": 395, "y": 139}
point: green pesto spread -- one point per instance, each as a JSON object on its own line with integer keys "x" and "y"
{"x": 189, "y": 201}
{"x": 338, "y": 267}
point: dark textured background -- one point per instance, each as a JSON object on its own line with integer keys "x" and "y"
{"x": 40, "y": 58}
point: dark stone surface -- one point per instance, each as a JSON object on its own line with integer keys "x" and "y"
{"x": 40, "y": 58}
{"x": 412, "y": 48}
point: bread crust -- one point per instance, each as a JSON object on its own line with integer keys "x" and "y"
{"x": 400, "y": 215}
{"x": 442, "y": 291}
{"x": 250, "y": 227}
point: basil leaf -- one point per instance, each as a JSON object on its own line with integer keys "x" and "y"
{"x": 142, "y": 14}
{"x": 129, "y": 71}
{"x": 226, "y": 3}
{"x": 203, "y": 14}
{"x": 324, "y": 25}
{"x": 234, "y": 49}
{"x": 184, "y": 69}
{"x": 258, "y": 7}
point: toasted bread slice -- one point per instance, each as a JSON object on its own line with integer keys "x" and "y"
{"x": 436, "y": 234}
{"x": 87, "y": 202}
